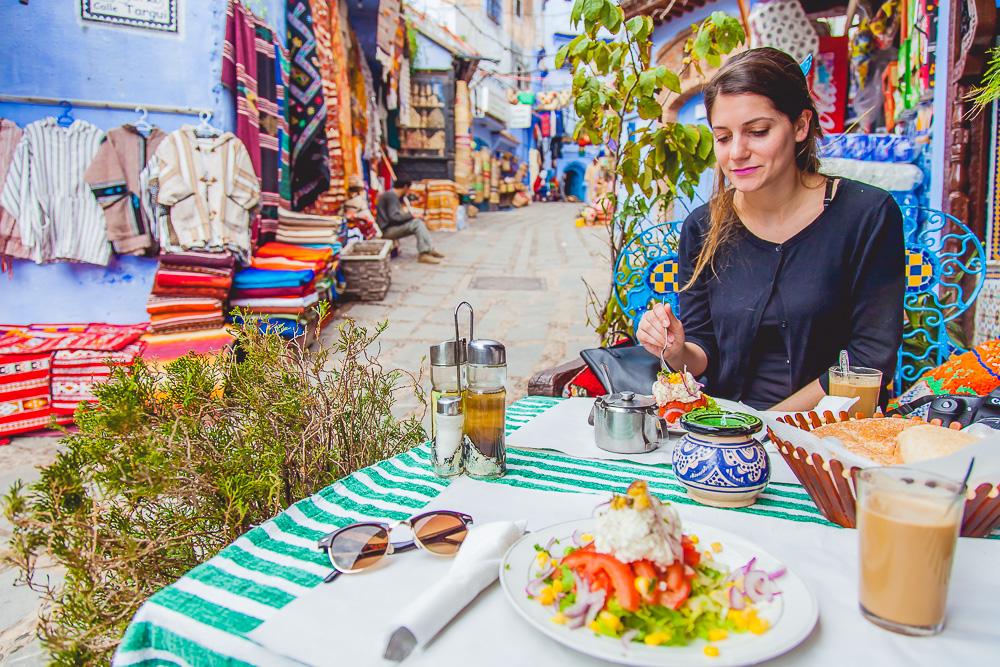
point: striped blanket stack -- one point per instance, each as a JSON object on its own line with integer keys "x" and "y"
{"x": 284, "y": 283}
{"x": 189, "y": 291}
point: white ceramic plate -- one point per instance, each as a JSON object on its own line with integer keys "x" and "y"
{"x": 792, "y": 614}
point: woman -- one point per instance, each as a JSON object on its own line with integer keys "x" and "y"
{"x": 784, "y": 267}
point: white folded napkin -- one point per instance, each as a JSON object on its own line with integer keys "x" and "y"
{"x": 476, "y": 566}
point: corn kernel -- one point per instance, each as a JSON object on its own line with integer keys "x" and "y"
{"x": 587, "y": 537}
{"x": 636, "y": 489}
{"x": 641, "y": 503}
{"x": 739, "y": 619}
{"x": 717, "y": 635}
{"x": 707, "y": 554}
{"x": 594, "y": 626}
{"x": 610, "y": 621}
{"x": 547, "y": 596}
{"x": 557, "y": 586}
{"x": 759, "y": 626}
{"x": 656, "y": 638}
{"x": 717, "y": 547}
{"x": 711, "y": 651}
{"x": 642, "y": 585}
{"x": 693, "y": 538}
{"x": 542, "y": 558}
{"x": 559, "y": 619}
{"x": 554, "y": 563}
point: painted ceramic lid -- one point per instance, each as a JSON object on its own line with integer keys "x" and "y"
{"x": 720, "y": 423}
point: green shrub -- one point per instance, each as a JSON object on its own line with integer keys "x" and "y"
{"x": 172, "y": 465}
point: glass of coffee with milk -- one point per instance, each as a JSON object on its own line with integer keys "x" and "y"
{"x": 908, "y": 524}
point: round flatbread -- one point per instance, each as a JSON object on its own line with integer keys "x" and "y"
{"x": 873, "y": 438}
{"x": 928, "y": 441}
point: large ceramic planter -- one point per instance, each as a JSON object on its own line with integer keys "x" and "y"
{"x": 718, "y": 461}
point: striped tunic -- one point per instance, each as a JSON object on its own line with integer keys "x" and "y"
{"x": 57, "y": 214}
{"x": 210, "y": 187}
{"x": 10, "y": 237}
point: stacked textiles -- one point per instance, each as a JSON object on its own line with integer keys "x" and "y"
{"x": 283, "y": 284}
{"x": 189, "y": 291}
{"x": 303, "y": 228}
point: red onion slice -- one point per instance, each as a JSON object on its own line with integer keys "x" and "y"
{"x": 575, "y": 622}
{"x": 777, "y": 574}
{"x": 627, "y": 637}
{"x": 551, "y": 543}
{"x": 596, "y": 605}
{"x": 691, "y": 390}
{"x": 757, "y": 586}
{"x": 736, "y": 600}
{"x": 749, "y": 566}
{"x": 534, "y": 587}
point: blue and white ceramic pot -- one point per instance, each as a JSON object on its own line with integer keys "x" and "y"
{"x": 718, "y": 461}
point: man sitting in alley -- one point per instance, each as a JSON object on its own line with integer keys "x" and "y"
{"x": 396, "y": 221}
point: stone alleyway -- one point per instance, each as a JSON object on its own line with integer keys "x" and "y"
{"x": 523, "y": 273}
{"x": 521, "y": 270}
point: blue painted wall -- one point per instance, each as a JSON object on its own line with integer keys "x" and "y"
{"x": 49, "y": 51}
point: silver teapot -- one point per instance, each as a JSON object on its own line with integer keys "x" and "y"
{"x": 627, "y": 423}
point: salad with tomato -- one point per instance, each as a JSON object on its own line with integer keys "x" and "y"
{"x": 677, "y": 393}
{"x": 639, "y": 578}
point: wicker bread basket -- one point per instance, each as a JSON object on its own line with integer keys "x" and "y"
{"x": 831, "y": 485}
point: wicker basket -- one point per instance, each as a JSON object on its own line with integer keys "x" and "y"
{"x": 831, "y": 485}
{"x": 366, "y": 269}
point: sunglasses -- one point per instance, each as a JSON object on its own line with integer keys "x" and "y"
{"x": 359, "y": 546}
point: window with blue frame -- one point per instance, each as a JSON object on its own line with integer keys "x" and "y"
{"x": 494, "y": 9}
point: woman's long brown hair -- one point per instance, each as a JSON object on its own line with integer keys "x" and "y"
{"x": 775, "y": 75}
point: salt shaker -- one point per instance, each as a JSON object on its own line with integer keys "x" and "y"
{"x": 485, "y": 410}
{"x": 447, "y": 449}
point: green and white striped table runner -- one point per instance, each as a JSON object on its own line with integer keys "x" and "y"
{"x": 203, "y": 618}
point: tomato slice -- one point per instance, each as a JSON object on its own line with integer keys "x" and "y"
{"x": 647, "y": 569}
{"x": 619, "y": 574}
{"x": 691, "y": 555}
{"x": 674, "y": 598}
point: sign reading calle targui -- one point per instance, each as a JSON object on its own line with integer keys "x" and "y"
{"x": 149, "y": 14}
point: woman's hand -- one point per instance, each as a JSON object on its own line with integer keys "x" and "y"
{"x": 662, "y": 334}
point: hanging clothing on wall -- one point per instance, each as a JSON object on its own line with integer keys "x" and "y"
{"x": 210, "y": 188}
{"x": 332, "y": 64}
{"x": 307, "y": 110}
{"x": 57, "y": 215}
{"x": 10, "y": 237}
{"x": 251, "y": 68}
{"x": 114, "y": 178}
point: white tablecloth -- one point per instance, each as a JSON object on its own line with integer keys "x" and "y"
{"x": 343, "y": 623}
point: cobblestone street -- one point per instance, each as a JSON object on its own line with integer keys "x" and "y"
{"x": 521, "y": 270}
{"x": 542, "y": 321}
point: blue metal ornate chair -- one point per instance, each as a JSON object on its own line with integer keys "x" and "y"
{"x": 646, "y": 271}
{"x": 945, "y": 270}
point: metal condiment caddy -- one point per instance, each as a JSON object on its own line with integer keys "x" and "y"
{"x": 480, "y": 367}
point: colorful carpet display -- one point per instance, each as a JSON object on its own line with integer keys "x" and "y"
{"x": 46, "y": 371}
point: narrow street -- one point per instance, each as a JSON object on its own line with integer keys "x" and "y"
{"x": 521, "y": 270}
